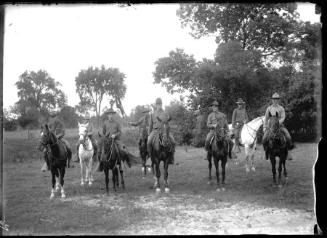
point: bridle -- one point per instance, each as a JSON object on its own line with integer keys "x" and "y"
{"x": 247, "y": 127}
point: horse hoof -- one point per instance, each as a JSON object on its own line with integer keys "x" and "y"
{"x": 82, "y": 183}
{"x": 223, "y": 189}
{"x": 63, "y": 195}
{"x": 253, "y": 169}
{"x": 52, "y": 196}
{"x": 143, "y": 177}
{"x": 280, "y": 186}
{"x": 209, "y": 182}
{"x": 218, "y": 189}
{"x": 158, "y": 190}
{"x": 90, "y": 183}
{"x": 247, "y": 170}
{"x": 149, "y": 170}
{"x": 167, "y": 190}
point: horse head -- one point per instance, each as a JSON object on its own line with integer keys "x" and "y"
{"x": 82, "y": 131}
{"x": 276, "y": 135}
{"x": 47, "y": 138}
{"x": 165, "y": 130}
{"x": 105, "y": 144}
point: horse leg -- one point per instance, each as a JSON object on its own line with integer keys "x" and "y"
{"x": 223, "y": 166}
{"x": 285, "y": 172}
{"x": 209, "y": 156}
{"x": 273, "y": 164}
{"x": 217, "y": 171}
{"x": 122, "y": 176}
{"x": 114, "y": 170}
{"x": 53, "y": 182}
{"x": 166, "y": 164}
{"x": 106, "y": 171}
{"x": 280, "y": 171}
{"x": 157, "y": 183}
{"x": 143, "y": 166}
{"x": 61, "y": 176}
{"x": 81, "y": 162}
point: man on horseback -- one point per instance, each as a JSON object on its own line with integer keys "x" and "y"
{"x": 239, "y": 118}
{"x": 215, "y": 120}
{"x": 58, "y": 127}
{"x": 87, "y": 120}
{"x": 113, "y": 127}
{"x": 155, "y": 127}
{"x": 143, "y": 122}
{"x": 271, "y": 110}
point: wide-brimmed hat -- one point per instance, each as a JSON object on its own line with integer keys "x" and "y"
{"x": 87, "y": 116}
{"x": 240, "y": 101}
{"x": 110, "y": 111}
{"x": 275, "y": 96}
{"x": 158, "y": 101}
{"x": 215, "y": 103}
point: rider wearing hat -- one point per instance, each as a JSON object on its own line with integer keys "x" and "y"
{"x": 142, "y": 123}
{"x": 87, "y": 120}
{"x": 58, "y": 127}
{"x": 155, "y": 127}
{"x": 215, "y": 120}
{"x": 271, "y": 110}
{"x": 239, "y": 118}
{"x": 113, "y": 127}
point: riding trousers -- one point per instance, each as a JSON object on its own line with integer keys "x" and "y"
{"x": 209, "y": 137}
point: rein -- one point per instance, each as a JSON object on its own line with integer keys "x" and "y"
{"x": 253, "y": 130}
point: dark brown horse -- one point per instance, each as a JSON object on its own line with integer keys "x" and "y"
{"x": 56, "y": 157}
{"x": 162, "y": 150}
{"x": 110, "y": 160}
{"x": 277, "y": 147}
{"x": 144, "y": 155}
{"x": 219, "y": 149}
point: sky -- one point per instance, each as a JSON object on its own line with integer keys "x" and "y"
{"x": 63, "y": 40}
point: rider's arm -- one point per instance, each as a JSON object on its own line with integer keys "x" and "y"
{"x": 233, "y": 118}
{"x": 210, "y": 125}
{"x": 246, "y": 116}
{"x": 282, "y": 115}
{"x": 139, "y": 122}
{"x": 118, "y": 133}
{"x": 150, "y": 123}
{"x": 90, "y": 129}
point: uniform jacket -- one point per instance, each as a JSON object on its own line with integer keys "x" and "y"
{"x": 57, "y": 126}
{"x": 142, "y": 123}
{"x": 113, "y": 127}
{"x": 218, "y": 118}
{"x": 239, "y": 115}
{"x": 273, "y": 109}
{"x": 155, "y": 124}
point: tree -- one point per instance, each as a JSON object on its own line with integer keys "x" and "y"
{"x": 137, "y": 112}
{"x": 69, "y": 117}
{"x": 93, "y": 84}
{"x": 39, "y": 91}
{"x": 262, "y": 27}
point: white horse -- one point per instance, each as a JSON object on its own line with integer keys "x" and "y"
{"x": 85, "y": 153}
{"x": 248, "y": 138}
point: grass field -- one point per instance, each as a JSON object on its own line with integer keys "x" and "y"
{"x": 249, "y": 205}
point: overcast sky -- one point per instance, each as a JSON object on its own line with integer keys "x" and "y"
{"x": 65, "y": 39}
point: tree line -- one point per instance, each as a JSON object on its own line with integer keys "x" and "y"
{"x": 261, "y": 49}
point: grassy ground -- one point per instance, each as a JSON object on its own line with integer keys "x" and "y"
{"x": 249, "y": 205}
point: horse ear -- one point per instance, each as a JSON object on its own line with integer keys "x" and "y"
{"x": 159, "y": 119}
{"x": 276, "y": 114}
{"x": 99, "y": 134}
{"x": 269, "y": 114}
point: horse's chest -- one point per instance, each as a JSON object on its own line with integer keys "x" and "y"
{"x": 84, "y": 154}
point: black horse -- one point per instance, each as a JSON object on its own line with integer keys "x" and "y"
{"x": 219, "y": 149}
{"x": 144, "y": 154}
{"x": 162, "y": 150}
{"x": 56, "y": 157}
{"x": 110, "y": 159}
{"x": 276, "y": 146}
